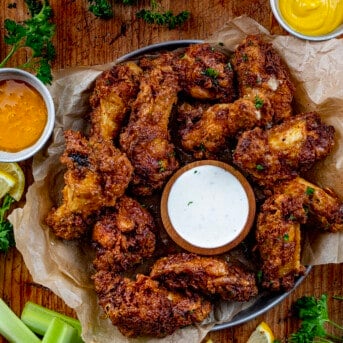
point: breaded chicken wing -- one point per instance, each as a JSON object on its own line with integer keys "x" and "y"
{"x": 146, "y": 138}
{"x": 209, "y": 134}
{"x": 260, "y": 69}
{"x": 142, "y": 307}
{"x": 278, "y": 234}
{"x": 207, "y": 275}
{"x": 205, "y": 73}
{"x": 280, "y": 153}
{"x": 124, "y": 236}
{"x": 97, "y": 174}
{"x": 114, "y": 91}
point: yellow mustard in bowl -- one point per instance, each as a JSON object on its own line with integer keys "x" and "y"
{"x": 23, "y": 115}
{"x": 312, "y": 17}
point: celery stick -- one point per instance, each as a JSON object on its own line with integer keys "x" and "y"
{"x": 12, "y": 328}
{"x": 60, "y": 332}
{"x": 38, "y": 318}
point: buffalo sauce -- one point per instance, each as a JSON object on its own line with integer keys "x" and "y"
{"x": 23, "y": 115}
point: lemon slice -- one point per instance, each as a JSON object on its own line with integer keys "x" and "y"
{"x": 262, "y": 334}
{"x": 7, "y": 181}
{"x": 17, "y": 177}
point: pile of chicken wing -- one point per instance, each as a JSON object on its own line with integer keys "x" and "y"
{"x": 148, "y": 118}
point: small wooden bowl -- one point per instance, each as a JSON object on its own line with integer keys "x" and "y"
{"x": 208, "y": 207}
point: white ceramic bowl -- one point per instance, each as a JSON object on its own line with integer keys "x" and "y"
{"x": 277, "y": 13}
{"x": 21, "y": 75}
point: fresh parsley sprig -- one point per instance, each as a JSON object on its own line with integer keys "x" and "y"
{"x": 36, "y": 34}
{"x": 153, "y": 15}
{"x": 6, "y": 228}
{"x": 315, "y": 318}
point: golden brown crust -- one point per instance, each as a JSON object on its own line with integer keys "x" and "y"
{"x": 97, "y": 174}
{"x": 146, "y": 138}
{"x": 142, "y": 307}
{"x": 207, "y": 275}
{"x": 124, "y": 236}
{"x": 280, "y": 153}
{"x": 205, "y": 73}
{"x": 278, "y": 235}
{"x": 260, "y": 68}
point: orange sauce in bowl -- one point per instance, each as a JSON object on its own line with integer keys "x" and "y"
{"x": 23, "y": 115}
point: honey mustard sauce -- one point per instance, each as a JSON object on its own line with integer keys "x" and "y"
{"x": 312, "y": 17}
{"x": 23, "y": 115}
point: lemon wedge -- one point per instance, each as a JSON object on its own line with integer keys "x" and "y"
{"x": 12, "y": 180}
{"x": 262, "y": 334}
{"x": 7, "y": 181}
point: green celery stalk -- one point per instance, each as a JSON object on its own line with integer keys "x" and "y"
{"x": 38, "y": 318}
{"x": 12, "y": 328}
{"x": 60, "y": 332}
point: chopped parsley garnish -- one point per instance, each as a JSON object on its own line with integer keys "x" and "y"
{"x": 309, "y": 191}
{"x": 258, "y": 102}
{"x": 259, "y": 167}
{"x": 210, "y": 72}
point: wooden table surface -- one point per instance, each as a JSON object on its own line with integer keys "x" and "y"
{"x": 82, "y": 39}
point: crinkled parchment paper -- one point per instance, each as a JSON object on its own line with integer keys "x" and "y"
{"x": 317, "y": 69}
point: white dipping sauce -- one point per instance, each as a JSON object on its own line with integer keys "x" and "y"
{"x": 208, "y": 206}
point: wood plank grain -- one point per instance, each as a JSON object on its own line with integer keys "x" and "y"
{"x": 83, "y": 40}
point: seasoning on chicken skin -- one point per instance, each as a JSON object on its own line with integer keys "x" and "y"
{"x": 114, "y": 91}
{"x": 280, "y": 153}
{"x": 207, "y": 275}
{"x": 123, "y": 236}
{"x": 142, "y": 307}
{"x": 207, "y": 136}
{"x": 278, "y": 234}
{"x": 205, "y": 73}
{"x": 146, "y": 139}
{"x": 97, "y": 174}
{"x": 260, "y": 69}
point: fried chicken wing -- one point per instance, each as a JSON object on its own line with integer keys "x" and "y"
{"x": 114, "y": 91}
{"x": 260, "y": 68}
{"x": 278, "y": 234}
{"x": 205, "y": 73}
{"x": 208, "y": 275}
{"x": 142, "y": 307}
{"x": 97, "y": 174}
{"x": 206, "y": 136}
{"x": 146, "y": 139}
{"x": 280, "y": 153}
{"x": 124, "y": 236}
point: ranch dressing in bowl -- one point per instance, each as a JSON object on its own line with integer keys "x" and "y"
{"x": 208, "y": 207}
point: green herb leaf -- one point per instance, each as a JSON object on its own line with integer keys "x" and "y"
{"x": 6, "y": 228}
{"x": 258, "y": 102}
{"x": 259, "y": 167}
{"x": 315, "y": 316}
{"x": 34, "y": 34}
{"x": 309, "y": 191}
{"x": 101, "y": 8}
{"x": 210, "y": 72}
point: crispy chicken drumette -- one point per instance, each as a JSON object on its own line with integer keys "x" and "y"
{"x": 205, "y": 73}
{"x": 124, "y": 236}
{"x": 278, "y": 234}
{"x": 143, "y": 307}
{"x": 207, "y": 275}
{"x": 280, "y": 153}
{"x": 207, "y": 133}
{"x": 97, "y": 174}
{"x": 260, "y": 69}
{"x": 146, "y": 138}
{"x": 114, "y": 91}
